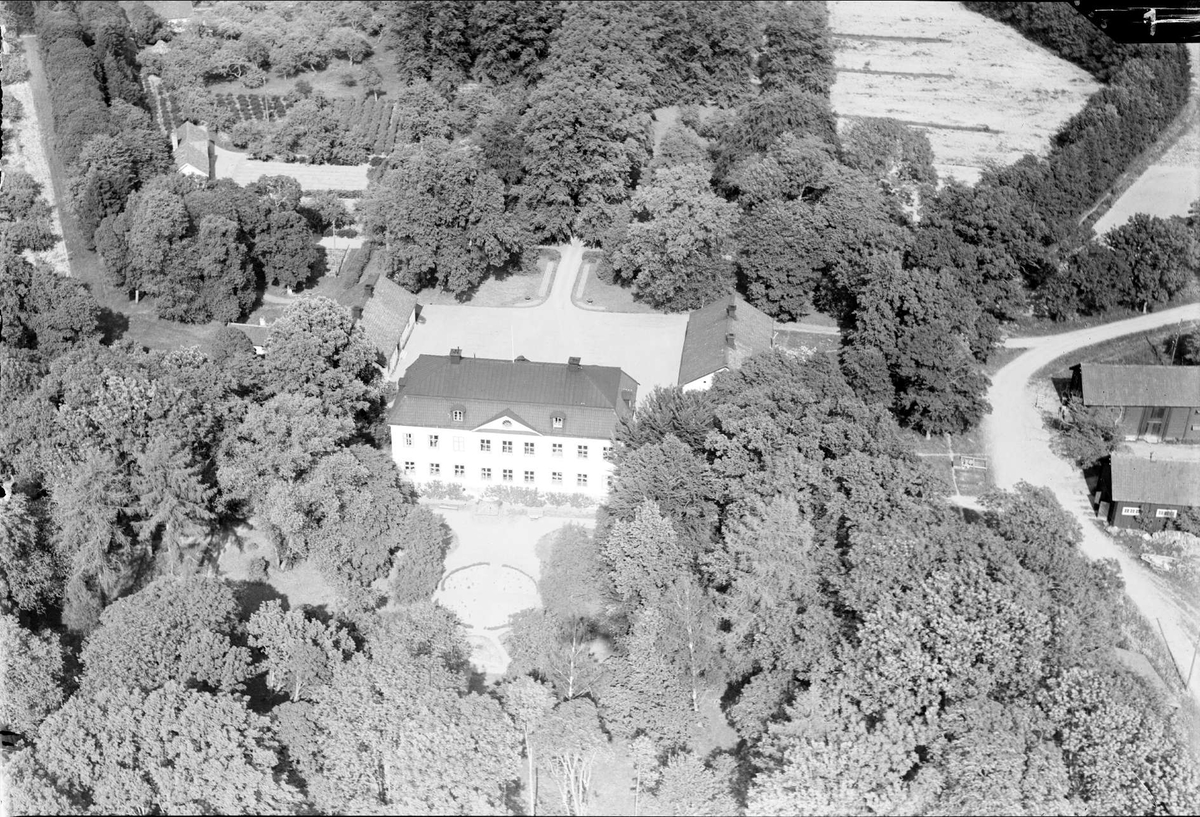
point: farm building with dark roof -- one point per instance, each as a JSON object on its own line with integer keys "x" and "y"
{"x": 1157, "y": 403}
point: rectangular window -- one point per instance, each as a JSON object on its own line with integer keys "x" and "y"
{"x": 1131, "y": 510}
{"x": 506, "y": 446}
{"x": 408, "y": 440}
{"x": 485, "y": 474}
{"x": 529, "y": 476}
{"x": 457, "y": 415}
{"x": 485, "y": 445}
{"x": 459, "y": 444}
{"x": 1166, "y": 513}
{"x": 528, "y": 449}
{"x": 506, "y": 475}
{"x": 605, "y": 451}
{"x": 556, "y": 449}
{"x": 409, "y": 467}
{"x": 433, "y": 441}
{"x": 581, "y": 452}
{"x": 1158, "y": 412}
{"x": 581, "y": 480}
{"x": 460, "y": 470}
{"x": 557, "y": 422}
{"x": 556, "y": 477}
{"x": 435, "y": 469}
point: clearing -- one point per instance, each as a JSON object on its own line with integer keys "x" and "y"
{"x": 981, "y": 91}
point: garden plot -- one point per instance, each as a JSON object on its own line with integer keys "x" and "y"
{"x": 980, "y": 91}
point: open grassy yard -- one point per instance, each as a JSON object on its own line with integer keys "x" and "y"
{"x": 592, "y": 293}
{"x": 980, "y": 90}
{"x": 960, "y": 460}
{"x": 301, "y": 585}
{"x": 516, "y": 289}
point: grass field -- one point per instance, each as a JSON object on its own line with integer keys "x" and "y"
{"x": 1146, "y": 348}
{"x": 945, "y": 455}
{"x": 592, "y": 293}
{"x": 981, "y": 91}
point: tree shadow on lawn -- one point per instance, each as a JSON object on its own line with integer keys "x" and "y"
{"x": 251, "y": 595}
{"x": 113, "y": 325}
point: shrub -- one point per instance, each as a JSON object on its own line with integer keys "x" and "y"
{"x": 1084, "y": 435}
{"x": 256, "y": 571}
{"x": 529, "y": 497}
{"x": 15, "y": 70}
{"x": 436, "y": 489}
{"x": 571, "y": 500}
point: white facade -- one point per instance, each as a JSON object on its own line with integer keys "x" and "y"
{"x": 702, "y": 383}
{"x": 502, "y": 452}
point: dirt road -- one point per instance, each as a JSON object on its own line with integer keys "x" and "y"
{"x": 1019, "y": 449}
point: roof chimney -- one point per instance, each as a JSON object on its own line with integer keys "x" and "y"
{"x": 573, "y": 363}
{"x": 731, "y": 311}
{"x": 456, "y": 355}
{"x": 729, "y": 339}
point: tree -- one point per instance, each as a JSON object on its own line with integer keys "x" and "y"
{"x": 705, "y": 51}
{"x": 689, "y": 786}
{"x": 669, "y": 474}
{"x": 687, "y": 415}
{"x": 527, "y": 702}
{"x": 764, "y": 119}
{"x": 510, "y": 40}
{"x": 30, "y": 574}
{"x": 63, "y": 312}
{"x": 285, "y": 248}
{"x": 674, "y": 249}
{"x": 797, "y": 48}
{"x": 316, "y": 350}
{"x": 399, "y": 731}
{"x": 1152, "y": 259}
{"x": 176, "y": 504}
{"x": 179, "y": 630}
{"x": 644, "y": 556}
{"x": 300, "y": 652}
{"x": 680, "y": 145}
{"x": 33, "y": 676}
{"x": 572, "y": 579}
{"x": 430, "y": 41}
{"x": 421, "y": 560}
{"x": 556, "y": 650}
{"x": 570, "y": 739}
{"x": 172, "y": 749}
{"x": 440, "y": 218}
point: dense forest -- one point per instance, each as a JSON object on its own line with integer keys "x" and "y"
{"x": 795, "y": 622}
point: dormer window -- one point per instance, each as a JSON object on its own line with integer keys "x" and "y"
{"x": 457, "y": 415}
{"x": 557, "y": 421}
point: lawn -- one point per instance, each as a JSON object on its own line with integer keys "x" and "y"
{"x": 1029, "y": 326}
{"x": 955, "y": 458}
{"x": 301, "y": 585}
{"x": 592, "y": 293}
{"x": 795, "y": 340}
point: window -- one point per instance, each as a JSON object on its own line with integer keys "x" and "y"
{"x": 556, "y": 449}
{"x": 581, "y": 452}
{"x": 506, "y": 446}
{"x": 556, "y": 477}
{"x": 435, "y": 469}
{"x": 459, "y": 444}
{"x": 528, "y": 449}
{"x": 460, "y": 470}
{"x": 457, "y": 415}
{"x": 604, "y": 452}
{"x": 485, "y": 445}
{"x": 408, "y": 440}
{"x": 433, "y": 441}
{"x": 1131, "y": 510}
{"x": 485, "y": 474}
{"x": 1158, "y": 412}
{"x": 1166, "y": 513}
{"x": 581, "y": 480}
{"x": 409, "y": 467}
{"x": 506, "y": 475}
{"x": 529, "y": 476}
{"x": 556, "y": 421}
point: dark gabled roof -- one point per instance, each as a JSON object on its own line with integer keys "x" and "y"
{"x": 589, "y": 398}
{"x": 386, "y": 314}
{"x": 1159, "y": 482}
{"x": 704, "y": 344}
{"x": 1116, "y": 385}
{"x": 194, "y": 154}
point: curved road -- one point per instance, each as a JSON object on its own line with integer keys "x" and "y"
{"x": 1018, "y": 446}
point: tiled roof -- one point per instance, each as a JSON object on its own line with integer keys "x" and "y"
{"x": 587, "y": 397}
{"x": 1115, "y": 385}
{"x": 1158, "y": 481}
{"x": 386, "y": 314}
{"x": 193, "y": 154}
{"x": 704, "y": 344}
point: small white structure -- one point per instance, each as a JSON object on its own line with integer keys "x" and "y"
{"x": 479, "y": 422}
